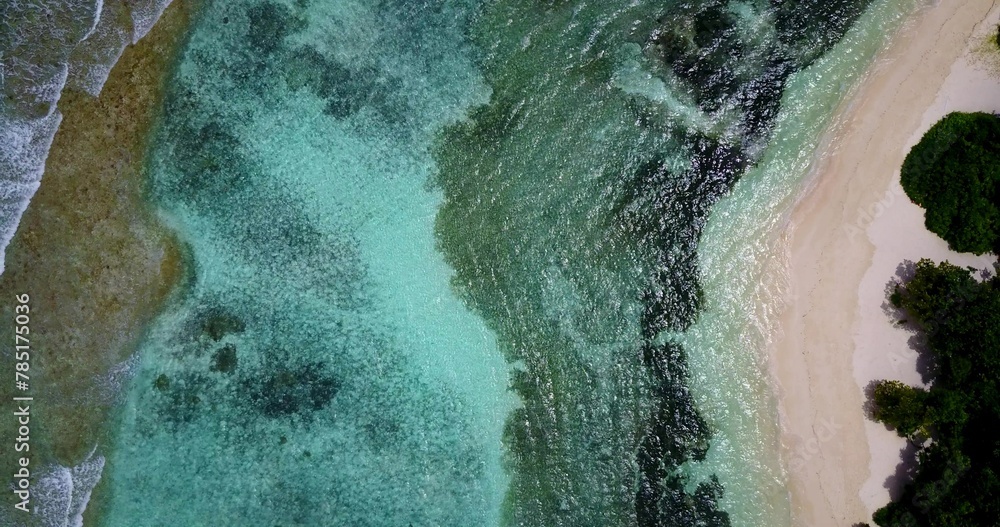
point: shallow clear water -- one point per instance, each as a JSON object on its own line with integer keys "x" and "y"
{"x": 742, "y": 264}
{"x": 318, "y": 369}
{"x": 477, "y": 263}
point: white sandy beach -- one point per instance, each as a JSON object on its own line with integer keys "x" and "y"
{"x": 848, "y": 235}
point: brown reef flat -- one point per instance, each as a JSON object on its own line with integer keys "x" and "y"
{"x": 94, "y": 259}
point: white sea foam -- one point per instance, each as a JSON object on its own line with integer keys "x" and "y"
{"x": 53, "y": 493}
{"x": 76, "y": 49}
{"x": 24, "y": 144}
{"x": 85, "y": 476}
{"x": 62, "y": 493}
{"x": 98, "y": 16}
{"x": 144, "y": 15}
{"x": 110, "y": 387}
{"x": 93, "y": 59}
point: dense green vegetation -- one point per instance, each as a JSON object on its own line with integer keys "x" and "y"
{"x": 954, "y": 174}
{"x": 956, "y": 481}
{"x": 902, "y": 407}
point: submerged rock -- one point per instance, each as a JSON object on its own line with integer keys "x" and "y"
{"x": 224, "y": 360}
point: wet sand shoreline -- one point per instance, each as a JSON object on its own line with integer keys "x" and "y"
{"x": 849, "y": 232}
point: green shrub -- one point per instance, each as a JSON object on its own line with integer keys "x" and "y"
{"x": 956, "y": 481}
{"x": 954, "y": 174}
{"x": 901, "y": 407}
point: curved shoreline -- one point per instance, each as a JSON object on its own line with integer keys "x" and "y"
{"x": 848, "y": 232}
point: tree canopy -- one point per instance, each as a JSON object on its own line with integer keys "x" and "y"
{"x": 957, "y": 478}
{"x": 954, "y": 174}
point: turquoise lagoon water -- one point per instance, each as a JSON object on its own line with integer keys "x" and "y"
{"x": 478, "y": 263}
{"x": 317, "y": 370}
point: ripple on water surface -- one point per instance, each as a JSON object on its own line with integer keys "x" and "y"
{"x": 387, "y": 204}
